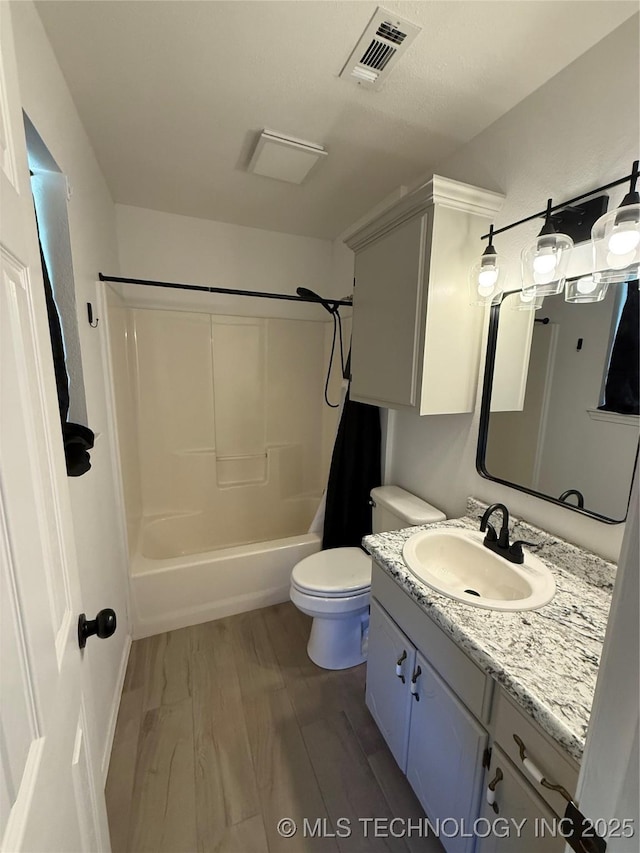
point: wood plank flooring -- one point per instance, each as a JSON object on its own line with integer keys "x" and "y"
{"x": 228, "y": 727}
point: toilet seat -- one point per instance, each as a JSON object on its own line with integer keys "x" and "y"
{"x": 336, "y": 573}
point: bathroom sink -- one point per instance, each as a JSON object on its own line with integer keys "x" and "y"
{"x": 454, "y": 562}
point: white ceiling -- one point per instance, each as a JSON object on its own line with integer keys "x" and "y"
{"x": 174, "y": 93}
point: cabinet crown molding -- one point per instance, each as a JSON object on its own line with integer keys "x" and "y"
{"x": 437, "y": 191}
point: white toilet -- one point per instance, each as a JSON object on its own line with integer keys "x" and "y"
{"x": 333, "y": 586}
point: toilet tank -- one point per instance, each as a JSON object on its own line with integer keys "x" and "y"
{"x": 394, "y": 508}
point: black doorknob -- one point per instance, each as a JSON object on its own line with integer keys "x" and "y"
{"x": 104, "y": 625}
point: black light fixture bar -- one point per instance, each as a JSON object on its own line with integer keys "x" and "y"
{"x": 227, "y": 290}
{"x": 571, "y": 201}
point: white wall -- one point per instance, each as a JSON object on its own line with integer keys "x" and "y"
{"x": 99, "y": 537}
{"x": 576, "y": 132}
{"x": 167, "y": 247}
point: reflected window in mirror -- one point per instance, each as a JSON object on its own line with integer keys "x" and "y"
{"x": 546, "y": 427}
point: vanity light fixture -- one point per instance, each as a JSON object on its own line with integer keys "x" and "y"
{"x": 615, "y": 237}
{"x": 544, "y": 260}
{"x": 587, "y": 288}
{"x": 485, "y": 276}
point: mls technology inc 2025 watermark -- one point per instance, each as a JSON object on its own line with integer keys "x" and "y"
{"x": 382, "y": 827}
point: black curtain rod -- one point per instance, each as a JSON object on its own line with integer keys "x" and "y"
{"x": 227, "y": 290}
{"x": 571, "y": 201}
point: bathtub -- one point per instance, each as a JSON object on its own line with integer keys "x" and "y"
{"x": 173, "y": 587}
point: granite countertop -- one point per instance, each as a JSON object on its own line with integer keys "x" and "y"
{"x": 546, "y": 659}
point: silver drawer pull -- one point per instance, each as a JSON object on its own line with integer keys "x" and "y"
{"x": 399, "y": 663}
{"x": 534, "y": 771}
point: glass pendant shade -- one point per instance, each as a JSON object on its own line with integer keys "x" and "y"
{"x": 527, "y": 300}
{"x": 485, "y": 281}
{"x": 485, "y": 277}
{"x": 588, "y": 288}
{"x": 615, "y": 239}
{"x": 544, "y": 260}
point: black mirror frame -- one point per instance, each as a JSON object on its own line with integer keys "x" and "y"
{"x": 483, "y": 433}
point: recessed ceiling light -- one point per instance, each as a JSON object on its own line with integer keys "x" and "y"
{"x": 284, "y": 157}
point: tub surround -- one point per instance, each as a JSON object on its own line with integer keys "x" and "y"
{"x": 546, "y": 659}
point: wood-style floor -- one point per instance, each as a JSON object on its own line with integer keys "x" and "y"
{"x": 226, "y": 728}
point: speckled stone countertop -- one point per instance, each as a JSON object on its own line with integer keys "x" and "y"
{"x": 546, "y": 659}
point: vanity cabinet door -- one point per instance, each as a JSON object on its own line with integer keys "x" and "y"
{"x": 444, "y": 763}
{"x": 390, "y": 663}
{"x": 518, "y": 806}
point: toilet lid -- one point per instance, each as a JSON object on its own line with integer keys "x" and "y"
{"x": 338, "y": 571}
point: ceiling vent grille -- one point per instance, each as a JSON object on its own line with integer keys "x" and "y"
{"x": 383, "y": 42}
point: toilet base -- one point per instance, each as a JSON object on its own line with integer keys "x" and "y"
{"x": 339, "y": 643}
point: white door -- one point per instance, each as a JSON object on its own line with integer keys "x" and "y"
{"x": 49, "y": 800}
{"x": 444, "y": 761}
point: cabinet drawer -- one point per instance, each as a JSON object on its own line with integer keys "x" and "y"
{"x": 461, "y": 674}
{"x": 517, "y": 802}
{"x": 506, "y": 720}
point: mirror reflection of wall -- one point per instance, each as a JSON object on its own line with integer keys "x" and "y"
{"x": 557, "y": 439}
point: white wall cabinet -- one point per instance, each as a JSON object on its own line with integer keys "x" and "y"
{"x": 416, "y": 340}
{"x": 442, "y": 718}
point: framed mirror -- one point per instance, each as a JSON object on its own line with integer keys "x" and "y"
{"x": 542, "y": 426}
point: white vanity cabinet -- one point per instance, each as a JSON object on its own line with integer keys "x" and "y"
{"x": 415, "y": 338}
{"x": 433, "y": 726}
{"x": 450, "y": 728}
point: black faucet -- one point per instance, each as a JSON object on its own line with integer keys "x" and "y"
{"x": 500, "y": 543}
{"x": 573, "y": 493}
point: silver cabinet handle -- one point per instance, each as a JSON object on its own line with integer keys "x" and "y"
{"x": 399, "y": 663}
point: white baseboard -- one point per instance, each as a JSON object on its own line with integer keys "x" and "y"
{"x": 207, "y": 613}
{"x": 115, "y": 707}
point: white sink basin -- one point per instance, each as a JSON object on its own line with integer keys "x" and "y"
{"x": 454, "y": 562}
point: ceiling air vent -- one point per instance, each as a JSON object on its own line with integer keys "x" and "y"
{"x": 383, "y": 42}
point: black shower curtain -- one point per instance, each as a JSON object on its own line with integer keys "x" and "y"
{"x": 623, "y": 377}
{"x": 355, "y": 470}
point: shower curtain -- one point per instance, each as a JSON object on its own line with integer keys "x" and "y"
{"x": 623, "y": 378}
{"x": 355, "y": 470}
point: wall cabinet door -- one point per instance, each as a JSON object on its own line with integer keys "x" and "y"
{"x": 444, "y": 761}
{"x": 416, "y": 339}
{"x": 388, "y": 314}
{"x": 518, "y": 806}
{"x": 391, "y": 661}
